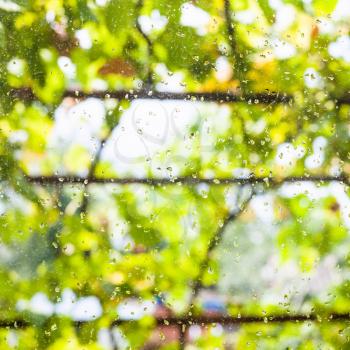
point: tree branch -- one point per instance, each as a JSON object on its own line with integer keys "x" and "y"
{"x": 229, "y": 26}
{"x": 238, "y": 61}
{"x": 148, "y": 42}
{"x": 92, "y": 169}
{"x": 90, "y": 176}
{"x": 213, "y": 243}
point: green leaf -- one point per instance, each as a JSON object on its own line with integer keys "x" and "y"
{"x": 324, "y": 8}
{"x": 267, "y": 10}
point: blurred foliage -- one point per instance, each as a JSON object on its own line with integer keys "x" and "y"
{"x": 71, "y": 253}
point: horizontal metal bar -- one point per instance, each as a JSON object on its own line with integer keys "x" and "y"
{"x": 231, "y": 320}
{"x": 28, "y": 94}
{"x": 217, "y": 96}
{"x": 209, "y": 320}
{"x": 187, "y": 180}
